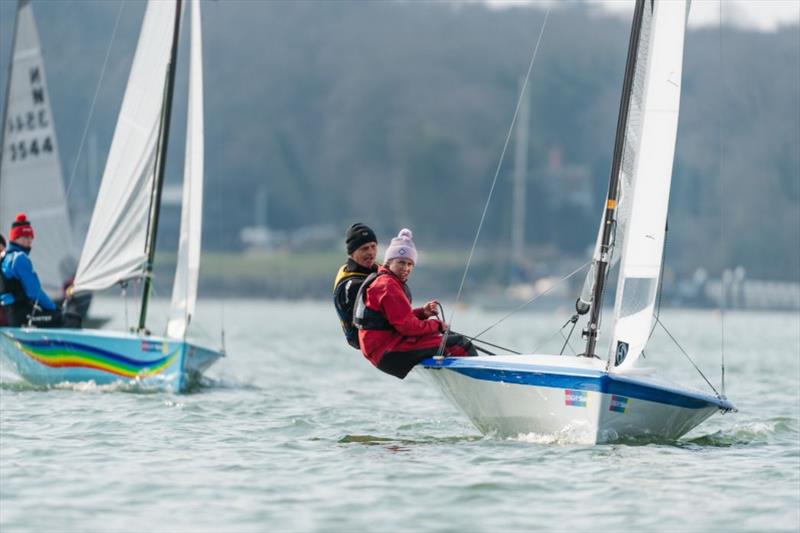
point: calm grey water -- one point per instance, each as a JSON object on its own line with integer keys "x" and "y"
{"x": 295, "y": 431}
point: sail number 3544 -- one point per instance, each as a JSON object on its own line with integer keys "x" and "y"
{"x": 21, "y": 150}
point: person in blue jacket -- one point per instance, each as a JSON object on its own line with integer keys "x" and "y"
{"x": 21, "y": 293}
{"x": 3, "y": 319}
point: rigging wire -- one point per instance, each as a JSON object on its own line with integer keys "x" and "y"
{"x": 574, "y": 320}
{"x": 487, "y": 343}
{"x": 723, "y": 294}
{"x": 550, "y": 288}
{"x": 497, "y": 172}
{"x": 440, "y": 314}
{"x": 689, "y": 358}
{"x": 220, "y": 234}
{"x": 559, "y": 330}
{"x": 94, "y": 101}
{"x": 124, "y": 293}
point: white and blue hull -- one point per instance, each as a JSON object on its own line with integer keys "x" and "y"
{"x": 574, "y": 399}
{"x": 48, "y": 357}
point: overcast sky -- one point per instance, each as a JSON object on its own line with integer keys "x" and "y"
{"x": 764, "y": 15}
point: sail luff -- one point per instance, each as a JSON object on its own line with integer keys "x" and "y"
{"x": 7, "y": 95}
{"x": 184, "y": 288}
{"x": 600, "y": 265}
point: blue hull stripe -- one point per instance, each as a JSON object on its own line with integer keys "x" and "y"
{"x": 588, "y": 380}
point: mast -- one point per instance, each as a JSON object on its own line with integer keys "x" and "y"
{"x": 591, "y": 331}
{"x": 161, "y": 158}
{"x": 8, "y": 86}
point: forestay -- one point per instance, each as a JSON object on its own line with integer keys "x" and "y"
{"x": 646, "y": 176}
{"x": 115, "y": 244}
{"x": 184, "y": 289}
{"x": 30, "y": 170}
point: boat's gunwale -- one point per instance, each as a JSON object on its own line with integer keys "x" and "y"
{"x": 110, "y": 334}
{"x": 575, "y": 378}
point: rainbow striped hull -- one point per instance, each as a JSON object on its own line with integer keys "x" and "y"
{"x": 51, "y": 356}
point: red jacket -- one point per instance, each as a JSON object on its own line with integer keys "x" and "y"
{"x": 411, "y": 330}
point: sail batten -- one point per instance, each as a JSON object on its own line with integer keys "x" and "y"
{"x": 114, "y": 249}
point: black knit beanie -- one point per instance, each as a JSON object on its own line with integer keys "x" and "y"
{"x": 357, "y": 236}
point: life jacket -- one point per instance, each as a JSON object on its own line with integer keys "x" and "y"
{"x": 345, "y": 280}
{"x": 11, "y": 286}
{"x": 366, "y": 318}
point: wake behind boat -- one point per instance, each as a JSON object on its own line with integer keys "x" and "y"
{"x": 600, "y": 398}
{"x": 120, "y": 245}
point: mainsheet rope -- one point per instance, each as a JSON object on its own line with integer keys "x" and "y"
{"x": 496, "y": 174}
{"x": 572, "y": 320}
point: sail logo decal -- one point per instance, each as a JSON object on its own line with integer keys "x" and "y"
{"x": 575, "y": 398}
{"x": 619, "y": 404}
{"x": 622, "y": 353}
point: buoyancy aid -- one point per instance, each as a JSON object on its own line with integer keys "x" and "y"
{"x": 367, "y": 318}
{"x": 346, "y": 285}
{"x": 11, "y": 286}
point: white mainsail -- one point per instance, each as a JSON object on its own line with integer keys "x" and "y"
{"x": 30, "y": 170}
{"x": 646, "y": 176}
{"x": 184, "y": 289}
{"x": 115, "y": 244}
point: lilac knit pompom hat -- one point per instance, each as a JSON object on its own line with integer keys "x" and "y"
{"x": 401, "y": 246}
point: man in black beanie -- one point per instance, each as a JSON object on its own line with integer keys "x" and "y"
{"x": 362, "y": 249}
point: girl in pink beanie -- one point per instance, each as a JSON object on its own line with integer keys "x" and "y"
{"x": 393, "y": 336}
{"x": 401, "y": 247}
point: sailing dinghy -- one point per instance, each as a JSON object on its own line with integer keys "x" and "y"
{"x": 30, "y": 168}
{"x": 586, "y": 398}
{"x": 120, "y": 245}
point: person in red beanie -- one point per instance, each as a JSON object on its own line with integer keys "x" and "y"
{"x": 21, "y": 293}
{"x": 394, "y": 337}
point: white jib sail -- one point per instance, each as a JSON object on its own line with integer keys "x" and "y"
{"x": 30, "y": 170}
{"x": 184, "y": 289}
{"x": 644, "y": 197}
{"x": 115, "y": 244}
